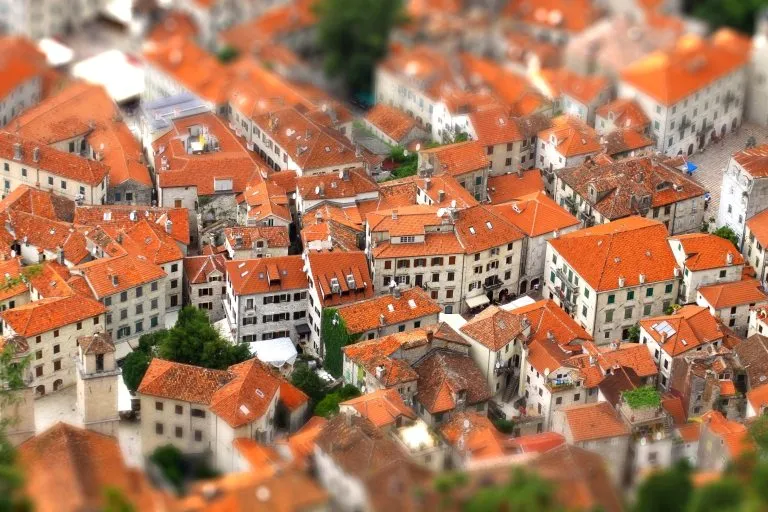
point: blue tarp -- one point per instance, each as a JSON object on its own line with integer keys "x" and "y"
{"x": 690, "y": 167}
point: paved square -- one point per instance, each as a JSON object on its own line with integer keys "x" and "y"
{"x": 714, "y": 159}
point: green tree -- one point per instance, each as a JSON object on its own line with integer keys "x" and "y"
{"x": 115, "y": 501}
{"x": 354, "y": 35}
{"x": 739, "y": 14}
{"x": 227, "y": 54}
{"x": 634, "y": 333}
{"x": 335, "y": 336}
{"x": 134, "y": 367}
{"x": 170, "y": 461}
{"x": 12, "y": 369}
{"x": 724, "y": 495}
{"x": 728, "y": 234}
{"x": 307, "y": 380}
{"x": 329, "y": 405}
{"x": 193, "y": 340}
{"x": 758, "y": 430}
{"x": 665, "y": 491}
{"x": 523, "y": 492}
{"x": 504, "y": 426}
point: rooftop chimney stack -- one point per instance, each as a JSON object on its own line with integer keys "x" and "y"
{"x": 168, "y": 226}
{"x": 394, "y": 214}
{"x": 396, "y": 292}
{"x": 17, "y": 150}
{"x": 36, "y": 154}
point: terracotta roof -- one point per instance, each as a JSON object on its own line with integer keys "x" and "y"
{"x": 319, "y": 231}
{"x": 591, "y": 422}
{"x": 705, "y": 251}
{"x": 326, "y": 266}
{"x": 457, "y": 159}
{"x": 691, "y": 65}
{"x": 689, "y": 432}
{"x": 145, "y": 238}
{"x": 108, "y": 276}
{"x": 176, "y": 381}
{"x": 50, "y": 235}
{"x": 11, "y": 269}
{"x": 292, "y": 397}
{"x": 754, "y": 160}
{"x": 616, "y": 183}
{"x": 242, "y": 237}
{"x": 568, "y": 15}
{"x": 246, "y": 397}
{"x": 292, "y": 16}
{"x": 59, "y": 163}
{"x": 583, "y": 88}
{"x": 444, "y": 376}
{"x": 394, "y": 123}
{"x": 495, "y": 126}
{"x": 178, "y": 168}
{"x": 474, "y": 434}
{"x": 734, "y": 434}
{"x": 505, "y": 188}
{"x": 309, "y": 144}
{"x": 480, "y": 228}
{"x": 446, "y": 187}
{"x": 538, "y": 443}
{"x": 495, "y": 328}
{"x": 261, "y": 459}
{"x": 622, "y": 141}
{"x": 753, "y": 355}
{"x": 536, "y": 214}
{"x": 53, "y": 313}
{"x": 174, "y": 24}
{"x": 124, "y": 216}
{"x": 301, "y": 444}
{"x": 758, "y": 226}
{"x": 15, "y": 69}
{"x": 98, "y": 343}
{"x": 692, "y": 326}
{"x": 198, "y": 268}
{"x": 67, "y": 469}
{"x": 334, "y": 186}
{"x": 383, "y": 407}
{"x": 625, "y": 113}
{"x": 675, "y": 408}
{"x": 86, "y": 110}
{"x": 265, "y": 198}
{"x": 628, "y": 248}
{"x": 737, "y": 293}
{"x": 413, "y": 303}
{"x": 758, "y": 397}
{"x": 39, "y": 203}
{"x": 572, "y": 136}
{"x": 265, "y": 275}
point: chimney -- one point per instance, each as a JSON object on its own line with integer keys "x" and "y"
{"x": 318, "y": 218}
{"x": 394, "y": 214}
{"x": 663, "y": 337}
{"x": 17, "y": 150}
{"x": 168, "y": 226}
{"x": 344, "y": 174}
{"x": 729, "y": 258}
{"x": 396, "y": 292}
{"x": 36, "y": 154}
{"x": 641, "y": 278}
{"x": 380, "y": 370}
{"x": 519, "y": 172}
{"x": 60, "y": 254}
{"x": 427, "y": 183}
{"x": 430, "y": 336}
{"x": 555, "y": 234}
{"x": 440, "y": 196}
{"x": 622, "y": 281}
{"x": 382, "y": 322}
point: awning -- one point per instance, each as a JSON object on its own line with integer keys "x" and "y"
{"x": 477, "y": 300}
{"x": 303, "y": 329}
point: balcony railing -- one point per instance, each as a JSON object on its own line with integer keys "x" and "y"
{"x": 492, "y": 283}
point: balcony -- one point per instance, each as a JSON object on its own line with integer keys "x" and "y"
{"x": 492, "y": 283}
{"x": 564, "y": 278}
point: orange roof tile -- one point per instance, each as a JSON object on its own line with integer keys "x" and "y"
{"x": 689, "y": 432}
{"x": 339, "y": 265}
{"x": 572, "y": 136}
{"x": 625, "y": 113}
{"x": 176, "y": 381}
{"x": 475, "y": 434}
{"x": 301, "y": 443}
{"x": 245, "y": 237}
{"x": 45, "y": 315}
{"x": 413, "y": 303}
{"x": 457, "y": 159}
{"x": 293, "y": 16}
{"x": 174, "y": 24}
{"x": 447, "y": 188}
{"x": 50, "y": 235}
{"x": 593, "y": 422}
{"x": 263, "y": 460}
{"x": 108, "y": 276}
{"x": 705, "y": 251}
{"x": 495, "y": 126}
{"x": 16, "y": 68}
{"x": 508, "y": 187}
{"x": 536, "y": 214}
{"x": 124, "y": 216}
{"x": 197, "y": 268}
{"x": 690, "y": 66}
{"x": 622, "y": 141}
{"x": 727, "y": 295}
{"x": 53, "y": 161}
{"x": 754, "y": 160}
{"x": 394, "y": 123}
{"x": 334, "y": 186}
{"x": 291, "y": 396}
{"x": 693, "y": 326}
{"x": 601, "y": 254}
{"x": 383, "y": 407}
{"x": 11, "y": 269}
{"x": 675, "y": 408}
{"x": 495, "y": 328}
{"x": 247, "y": 396}
{"x": 758, "y": 225}
{"x": 735, "y": 435}
{"x": 265, "y": 275}
{"x": 568, "y": 15}
{"x": 68, "y": 468}
{"x": 582, "y": 88}
{"x": 758, "y": 398}
{"x": 443, "y": 376}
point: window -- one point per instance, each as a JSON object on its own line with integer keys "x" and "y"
{"x": 577, "y": 397}
{"x": 154, "y": 286}
{"x": 179, "y": 409}
{"x": 56, "y": 349}
{"x": 139, "y": 309}
{"x": 647, "y": 310}
{"x": 179, "y": 432}
{"x": 388, "y": 265}
{"x": 628, "y": 313}
{"x": 123, "y": 314}
{"x": 38, "y": 354}
{"x": 56, "y": 333}
{"x": 722, "y": 273}
{"x": 611, "y": 299}
{"x": 586, "y": 293}
{"x": 159, "y": 429}
{"x": 153, "y": 321}
{"x": 153, "y": 304}
{"x": 123, "y": 296}
{"x": 630, "y": 294}
{"x": 452, "y": 260}
{"x": 63, "y": 185}
{"x": 584, "y": 311}
{"x": 140, "y": 326}
{"x": 609, "y": 315}
{"x": 158, "y": 406}
{"x": 649, "y": 292}
{"x": 198, "y": 435}
{"x": 197, "y": 413}
{"x": 139, "y": 292}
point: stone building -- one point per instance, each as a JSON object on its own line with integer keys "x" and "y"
{"x": 205, "y": 284}
{"x": 744, "y": 191}
{"x": 97, "y": 380}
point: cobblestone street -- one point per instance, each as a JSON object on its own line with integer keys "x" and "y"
{"x": 715, "y": 158}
